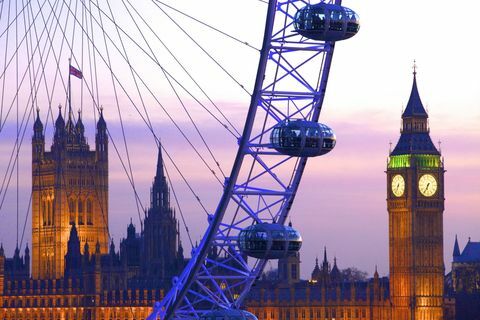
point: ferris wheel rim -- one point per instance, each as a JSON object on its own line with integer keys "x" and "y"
{"x": 167, "y": 311}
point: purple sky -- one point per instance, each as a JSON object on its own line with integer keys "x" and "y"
{"x": 341, "y": 201}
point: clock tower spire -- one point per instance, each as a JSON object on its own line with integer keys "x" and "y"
{"x": 415, "y": 201}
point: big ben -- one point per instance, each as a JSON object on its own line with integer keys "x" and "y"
{"x": 415, "y": 201}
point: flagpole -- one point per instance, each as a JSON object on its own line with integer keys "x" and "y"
{"x": 69, "y": 89}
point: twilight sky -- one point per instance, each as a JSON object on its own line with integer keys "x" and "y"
{"x": 341, "y": 201}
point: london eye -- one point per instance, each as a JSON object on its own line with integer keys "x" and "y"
{"x": 249, "y": 225}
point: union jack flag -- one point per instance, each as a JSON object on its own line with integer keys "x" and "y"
{"x": 75, "y": 72}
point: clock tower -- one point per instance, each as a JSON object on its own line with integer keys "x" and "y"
{"x": 415, "y": 201}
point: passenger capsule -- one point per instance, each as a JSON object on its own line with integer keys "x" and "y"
{"x": 228, "y": 314}
{"x": 326, "y": 22}
{"x": 269, "y": 241}
{"x": 302, "y": 138}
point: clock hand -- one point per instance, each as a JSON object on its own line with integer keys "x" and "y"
{"x": 426, "y": 188}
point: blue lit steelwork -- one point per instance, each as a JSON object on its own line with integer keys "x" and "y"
{"x": 290, "y": 84}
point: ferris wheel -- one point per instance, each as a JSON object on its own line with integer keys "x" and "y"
{"x": 281, "y": 130}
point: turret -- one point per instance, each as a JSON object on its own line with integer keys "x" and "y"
{"x": 131, "y": 230}
{"x": 80, "y": 130}
{"x": 70, "y": 130}
{"x": 27, "y": 260}
{"x": 101, "y": 139}
{"x": 73, "y": 257}
{"x": 38, "y": 139}
{"x": 335, "y": 275}
{"x": 456, "y": 250}
{"x": 59, "y": 136}
{"x": 160, "y": 193}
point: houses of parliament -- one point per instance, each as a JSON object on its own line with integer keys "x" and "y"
{"x": 77, "y": 274}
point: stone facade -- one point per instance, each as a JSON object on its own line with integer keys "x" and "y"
{"x": 83, "y": 276}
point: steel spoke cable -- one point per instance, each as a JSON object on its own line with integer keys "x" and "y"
{"x": 13, "y": 102}
{"x": 4, "y": 73}
{"x": 46, "y": 124}
{"x": 14, "y": 20}
{"x": 204, "y": 51}
{"x": 81, "y": 63}
{"x": 24, "y": 126}
{"x": 99, "y": 109}
{"x": 153, "y": 96}
{"x": 197, "y": 129}
{"x": 208, "y": 26}
{"x": 68, "y": 98}
{"x": 151, "y": 129}
{"x": 58, "y": 72}
{"x": 6, "y": 65}
{"x": 118, "y": 109}
{"x": 148, "y": 118}
{"x": 18, "y": 133}
{"x": 187, "y": 230}
{"x": 51, "y": 113}
{"x": 155, "y": 34}
{"x": 180, "y": 101}
{"x": 11, "y": 156}
{"x": 15, "y": 159}
{"x": 179, "y": 83}
{"x": 94, "y": 62}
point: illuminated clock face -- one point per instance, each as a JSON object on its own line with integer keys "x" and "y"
{"x": 398, "y": 185}
{"x": 427, "y": 185}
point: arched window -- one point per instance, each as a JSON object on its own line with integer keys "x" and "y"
{"x": 71, "y": 209}
{"x": 49, "y": 212}
{"x": 81, "y": 220}
{"x": 52, "y": 220}
{"x": 89, "y": 212}
{"x": 44, "y": 212}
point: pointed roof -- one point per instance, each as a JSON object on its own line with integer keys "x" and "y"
{"x": 38, "y": 125}
{"x": 414, "y": 106}
{"x": 335, "y": 268}
{"x": 73, "y": 234}
{"x": 101, "y": 124}
{"x": 69, "y": 126}
{"x": 316, "y": 273}
{"x": 79, "y": 127}
{"x": 375, "y": 275}
{"x": 414, "y": 141}
{"x": 159, "y": 172}
{"x": 471, "y": 253}
{"x": 60, "y": 123}
{"x": 456, "y": 248}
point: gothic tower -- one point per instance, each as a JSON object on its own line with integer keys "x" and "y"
{"x": 415, "y": 200}
{"x": 69, "y": 186}
{"x": 163, "y": 255}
